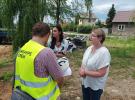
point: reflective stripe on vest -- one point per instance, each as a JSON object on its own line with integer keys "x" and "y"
{"x": 33, "y": 84}
{"x": 48, "y": 97}
{"x": 37, "y": 85}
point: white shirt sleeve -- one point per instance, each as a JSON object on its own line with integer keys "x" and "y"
{"x": 105, "y": 59}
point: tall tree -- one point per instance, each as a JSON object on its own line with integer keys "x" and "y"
{"x": 110, "y": 15}
{"x": 77, "y": 8}
{"x": 26, "y": 13}
{"x": 1, "y": 7}
{"x": 98, "y": 23}
{"x": 58, "y": 5}
{"x": 58, "y": 9}
{"x": 88, "y": 4}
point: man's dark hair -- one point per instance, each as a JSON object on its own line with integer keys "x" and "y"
{"x": 40, "y": 29}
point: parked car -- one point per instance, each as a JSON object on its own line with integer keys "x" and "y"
{"x": 5, "y": 37}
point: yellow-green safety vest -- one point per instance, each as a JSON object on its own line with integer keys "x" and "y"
{"x": 38, "y": 88}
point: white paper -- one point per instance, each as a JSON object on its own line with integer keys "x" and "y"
{"x": 64, "y": 65}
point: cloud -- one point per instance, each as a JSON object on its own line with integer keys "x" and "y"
{"x": 126, "y": 7}
{"x": 101, "y": 7}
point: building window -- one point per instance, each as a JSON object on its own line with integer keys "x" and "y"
{"x": 121, "y": 27}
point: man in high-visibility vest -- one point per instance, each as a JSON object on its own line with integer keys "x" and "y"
{"x": 36, "y": 70}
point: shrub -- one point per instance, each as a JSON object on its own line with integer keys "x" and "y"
{"x": 69, "y": 27}
{"x": 84, "y": 28}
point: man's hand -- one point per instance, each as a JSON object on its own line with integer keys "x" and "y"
{"x": 59, "y": 54}
{"x": 60, "y": 81}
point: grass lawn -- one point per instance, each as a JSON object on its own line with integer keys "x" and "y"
{"x": 122, "y": 54}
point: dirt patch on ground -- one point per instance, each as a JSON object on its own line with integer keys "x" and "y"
{"x": 5, "y": 52}
{"x": 5, "y": 90}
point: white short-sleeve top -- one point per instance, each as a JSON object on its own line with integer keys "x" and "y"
{"x": 66, "y": 46}
{"x": 94, "y": 61}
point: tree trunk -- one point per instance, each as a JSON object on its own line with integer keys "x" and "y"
{"x": 90, "y": 15}
{"x": 58, "y": 12}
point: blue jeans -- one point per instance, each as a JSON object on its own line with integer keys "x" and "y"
{"x": 89, "y": 94}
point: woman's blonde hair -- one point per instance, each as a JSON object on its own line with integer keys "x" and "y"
{"x": 100, "y": 34}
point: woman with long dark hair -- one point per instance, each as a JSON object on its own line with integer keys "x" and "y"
{"x": 58, "y": 44}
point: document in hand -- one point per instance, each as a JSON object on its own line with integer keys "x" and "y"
{"x": 64, "y": 65}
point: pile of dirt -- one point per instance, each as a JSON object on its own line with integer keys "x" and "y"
{"x": 5, "y": 52}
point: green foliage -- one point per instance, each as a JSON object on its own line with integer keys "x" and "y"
{"x": 27, "y": 16}
{"x": 58, "y": 9}
{"x": 77, "y": 16}
{"x": 77, "y": 8}
{"x": 85, "y": 28}
{"x": 99, "y": 24}
{"x": 123, "y": 56}
{"x": 6, "y": 76}
{"x": 76, "y": 57}
{"x": 26, "y": 13}
{"x": 110, "y": 15}
{"x": 121, "y": 48}
{"x": 0, "y": 23}
{"x": 88, "y": 4}
{"x": 70, "y": 27}
{"x": 5, "y": 62}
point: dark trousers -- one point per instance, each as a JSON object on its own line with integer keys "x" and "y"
{"x": 89, "y": 94}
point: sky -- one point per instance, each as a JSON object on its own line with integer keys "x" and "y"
{"x": 101, "y": 7}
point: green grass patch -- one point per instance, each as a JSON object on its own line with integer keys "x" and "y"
{"x": 75, "y": 58}
{"x": 6, "y": 76}
{"x": 4, "y": 63}
{"x": 122, "y": 57}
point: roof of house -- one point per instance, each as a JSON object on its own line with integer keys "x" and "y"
{"x": 124, "y": 16}
{"x": 86, "y": 15}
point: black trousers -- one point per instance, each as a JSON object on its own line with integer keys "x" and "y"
{"x": 89, "y": 94}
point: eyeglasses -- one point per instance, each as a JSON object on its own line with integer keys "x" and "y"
{"x": 93, "y": 35}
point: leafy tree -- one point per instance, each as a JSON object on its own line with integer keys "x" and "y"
{"x": 110, "y": 15}
{"x": 1, "y": 13}
{"x": 88, "y": 4}
{"x": 0, "y": 23}
{"x": 58, "y": 9}
{"x": 77, "y": 8}
{"x": 25, "y": 13}
{"x": 99, "y": 24}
